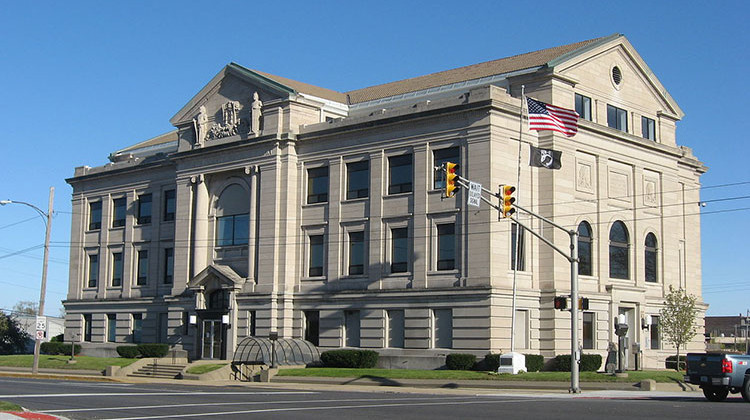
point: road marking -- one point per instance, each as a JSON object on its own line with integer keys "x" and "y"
{"x": 74, "y": 410}
{"x": 140, "y": 394}
{"x": 341, "y": 407}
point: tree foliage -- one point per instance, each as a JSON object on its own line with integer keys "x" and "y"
{"x": 26, "y": 307}
{"x": 12, "y": 337}
{"x": 677, "y": 320}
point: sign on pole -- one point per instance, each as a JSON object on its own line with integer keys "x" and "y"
{"x": 40, "y": 334}
{"x": 475, "y": 194}
{"x": 41, "y": 323}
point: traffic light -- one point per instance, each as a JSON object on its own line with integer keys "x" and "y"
{"x": 583, "y": 304}
{"x": 561, "y": 303}
{"x": 450, "y": 179}
{"x": 506, "y": 207}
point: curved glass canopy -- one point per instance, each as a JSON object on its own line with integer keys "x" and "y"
{"x": 289, "y": 351}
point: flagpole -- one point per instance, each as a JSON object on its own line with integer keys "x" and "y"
{"x": 518, "y": 227}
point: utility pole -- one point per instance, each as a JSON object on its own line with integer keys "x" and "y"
{"x": 47, "y": 217}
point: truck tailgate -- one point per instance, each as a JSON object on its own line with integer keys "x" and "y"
{"x": 704, "y": 364}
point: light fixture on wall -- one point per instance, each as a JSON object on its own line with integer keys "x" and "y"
{"x": 646, "y": 322}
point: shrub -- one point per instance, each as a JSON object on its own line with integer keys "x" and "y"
{"x": 128, "y": 352}
{"x": 491, "y": 362}
{"x": 672, "y": 361}
{"x": 60, "y": 338}
{"x": 357, "y": 359}
{"x": 534, "y": 362}
{"x": 55, "y": 348}
{"x": 589, "y": 363}
{"x": 460, "y": 361}
{"x": 153, "y": 350}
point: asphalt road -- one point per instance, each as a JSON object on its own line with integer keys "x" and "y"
{"x": 87, "y": 400}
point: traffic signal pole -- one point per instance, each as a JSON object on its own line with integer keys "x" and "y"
{"x": 572, "y": 257}
{"x": 575, "y": 352}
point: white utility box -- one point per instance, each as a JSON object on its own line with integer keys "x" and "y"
{"x": 512, "y": 363}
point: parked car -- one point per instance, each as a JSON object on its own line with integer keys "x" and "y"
{"x": 718, "y": 374}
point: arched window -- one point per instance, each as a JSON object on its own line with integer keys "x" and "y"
{"x": 619, "y": 247}
{"x": 584, "y": 249}
{"x": 232, "y": 216}
{"x": 650, "y": 264}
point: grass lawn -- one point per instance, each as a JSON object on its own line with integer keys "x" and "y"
{"x": 201, "y": 369}
{"x": 633, "y": 376}
{"x": 6, "y": 406}
{"x": 61, "y": 362}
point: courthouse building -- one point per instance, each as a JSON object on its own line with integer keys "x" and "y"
{"x": 276, "y": 205}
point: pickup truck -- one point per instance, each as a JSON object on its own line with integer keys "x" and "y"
{"x": 718, "y": 374}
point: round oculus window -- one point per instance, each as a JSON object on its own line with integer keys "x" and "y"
{"x": 616, "y": 75}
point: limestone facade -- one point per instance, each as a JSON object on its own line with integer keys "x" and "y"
{"x": 321, "y": 215}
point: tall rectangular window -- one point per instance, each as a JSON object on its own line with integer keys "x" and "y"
{"x": 111, "y": 328}
{"x": 351, "y": 328}
{"x": 583, "y": 107}
{"x": 312, "y": 327}
{"x": 358, "y": 180}
{"x": 655, "y": 333}
{"x": 93, "y": 270}
{"x": 170, "y": 205}
{"x": 168, "y": 265}
{"x": 232, "y": 230}
{"x": 356, "y": 253}
{"x": 648, "y": 128}
{"x": 95, "y": 215}
{"x": 446, "y": 246}
{"x": 117, "y": 269}
{"x": 517, "y": 240}
{"x": 317, "y": 185}
{"x": 252, "y": 323}
{"x": 118, "y": 214}
{"x": 400, "y": 174}
{"x": 144, "y": 209}
{"x": 317, "y": 256}
{"x": 395, "y": 328}
{"x": 439, "y": 157}
{"x": 399, "y": 250}
{"x": 617, "y": 118}
{"x": 588, "y": 330}
{"x": 87, "y": 327}
{"x": 442, "y": 328}
{"x": 137, "y": 327}
{"x": 142, "y": 276}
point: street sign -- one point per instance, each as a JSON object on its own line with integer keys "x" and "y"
{"x": 40, "y": 334}
{"x": 41, "y": 323}
{"x": 475, "y": 194}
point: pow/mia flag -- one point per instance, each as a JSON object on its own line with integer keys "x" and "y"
{"x": 545, "y": 158}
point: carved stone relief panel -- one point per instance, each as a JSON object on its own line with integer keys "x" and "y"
{"x": 651, "y": 189}
{"x": 584, "y": 176}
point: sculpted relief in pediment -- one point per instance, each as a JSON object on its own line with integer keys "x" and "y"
{"x": 230, "y": 123}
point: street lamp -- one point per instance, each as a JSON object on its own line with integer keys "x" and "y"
{"x": 47, "y": 217}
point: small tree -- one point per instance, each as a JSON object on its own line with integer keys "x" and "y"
{"x": 26, "y": 307}
{"x": 677, "y": 320}
{"x": 12, "y": 337}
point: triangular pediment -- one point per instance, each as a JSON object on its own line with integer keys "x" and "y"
{"x": 592, "y": 66}
{"x": 234, "y": 85}
{"x": 216, "y": 276}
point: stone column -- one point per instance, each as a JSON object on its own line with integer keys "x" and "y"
{"x": 253, "y": 224}
{"x": 201, "y": 241}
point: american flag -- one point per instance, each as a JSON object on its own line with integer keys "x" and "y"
{"x": 549, "y": 117}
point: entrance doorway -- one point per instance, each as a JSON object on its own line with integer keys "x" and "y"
{"x": 212, "y": 339}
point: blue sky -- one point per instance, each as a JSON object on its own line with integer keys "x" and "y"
{"x": 83, "y": 79}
